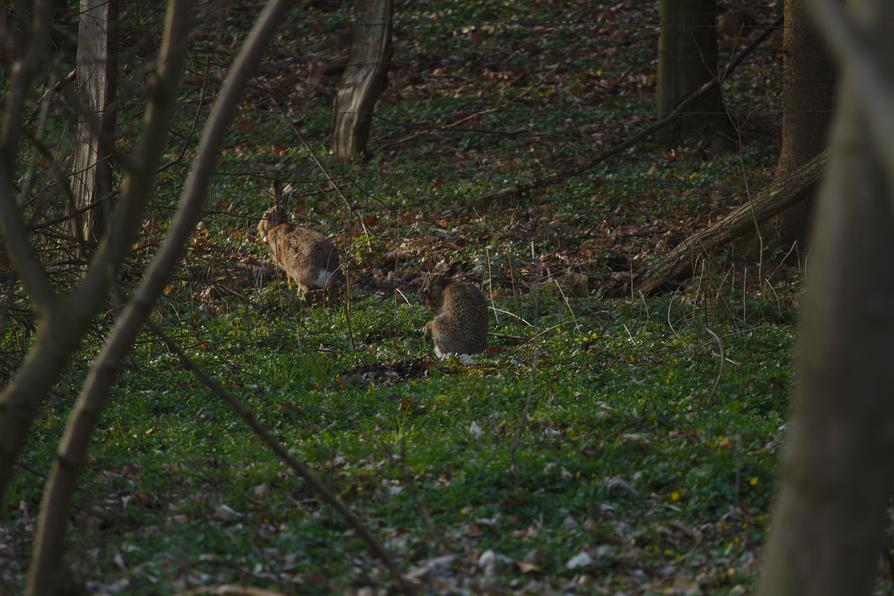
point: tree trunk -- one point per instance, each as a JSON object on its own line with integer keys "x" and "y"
{"x": 836, "y": 475}
{"x": 22, "y": 26}
{"x": 781, "y": 195}
{"x": 808, "y": 89}
{"x": 47, "y": 568}
{"x": 91, "y": 166}
{"x": 687, "y": 59}
{"x": 364, "y": 79}
{"x": 64, "y": 320}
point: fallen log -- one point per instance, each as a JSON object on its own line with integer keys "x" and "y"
{"x": 781, "y": 195}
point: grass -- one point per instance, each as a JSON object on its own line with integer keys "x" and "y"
{"x": 609, "y": 439}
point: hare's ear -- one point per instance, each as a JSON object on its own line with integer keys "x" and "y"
{"x": 425, "y": 283}
{"x": 454, "y": 268}
{"x": 287, "y": 191}
{"x": 279, "y": 200}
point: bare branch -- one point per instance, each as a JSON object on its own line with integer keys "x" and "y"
{"x": 24, "y": 72}
{"x": 48, "y": 550}
{"x": 55, "y": 171}
{"x": 511, "y": 192}
{"x": 65, "y": 324}
{"x": 28, "y": 266}
{"x": 58, "y": 86}
{"x": 782, "y": 194}
{"x": 24, "y": 259}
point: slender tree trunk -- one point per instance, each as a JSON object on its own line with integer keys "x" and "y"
{"x": 808, "y": 91}
{"x": 64, "y": 320}
{"x": 365, "y": 77}
{"x": 836, "y": 475}
{"x": 687, "y": 59}
{"x": 47, "y": 568}
{"x": 91, "y": 166}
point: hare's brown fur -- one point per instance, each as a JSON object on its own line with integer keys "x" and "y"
{"x": 461, "y": 324}
{"x": 306, "y": 256}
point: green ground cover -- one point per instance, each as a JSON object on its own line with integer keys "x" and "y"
{"x": 642, "y": 432}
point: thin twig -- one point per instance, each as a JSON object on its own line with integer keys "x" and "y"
{"x": 523, "y": 416}
{"x": 778, "y": 302}
{"x": 436, "y": 128}
{"x": 187, "y": 143}
{"x": 58, "y": 86}
{"x": 280, "y": 450}
{"x": 669, "y": 304}
{"x": 402, "y": 295}
{"x": 324, "y": 171}
{"x": 719, "y": 364}
{"x": 542, "y": 333}
{"x": 348, "y": 310}
{"x": 511, "y": 314}
{"x": 568, "y": 305}
{"x": 490, "y": 286}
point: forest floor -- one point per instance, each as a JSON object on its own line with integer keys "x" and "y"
{"x": 599, "y": 446}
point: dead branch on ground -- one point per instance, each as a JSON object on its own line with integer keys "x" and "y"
{"x": 781, "y": 195}
{"x": 517, "y": 190}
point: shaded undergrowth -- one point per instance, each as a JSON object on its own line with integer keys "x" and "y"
{"x": 597, "y": 445}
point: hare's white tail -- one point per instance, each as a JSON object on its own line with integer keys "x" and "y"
{"x": 325, "y": 278}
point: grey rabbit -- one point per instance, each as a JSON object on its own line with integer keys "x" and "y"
{"x": 461, "y": 324}
{"x": 307, "y": 256}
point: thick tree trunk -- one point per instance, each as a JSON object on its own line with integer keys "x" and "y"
{"x": 687, "y": 59}
{"x": 836, "y": 473}
{"x": 364, "y": 79}
{"x": 91, "y": 166}
{"x": 828, "y": 525}
{"x": 781, "y": 195}
{"x": 22, "y": 25}
{"x": 808, "y": 90}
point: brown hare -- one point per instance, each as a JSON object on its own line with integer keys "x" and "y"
{"x": 461, "y": 324}
{"x": 306, "y": 256}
